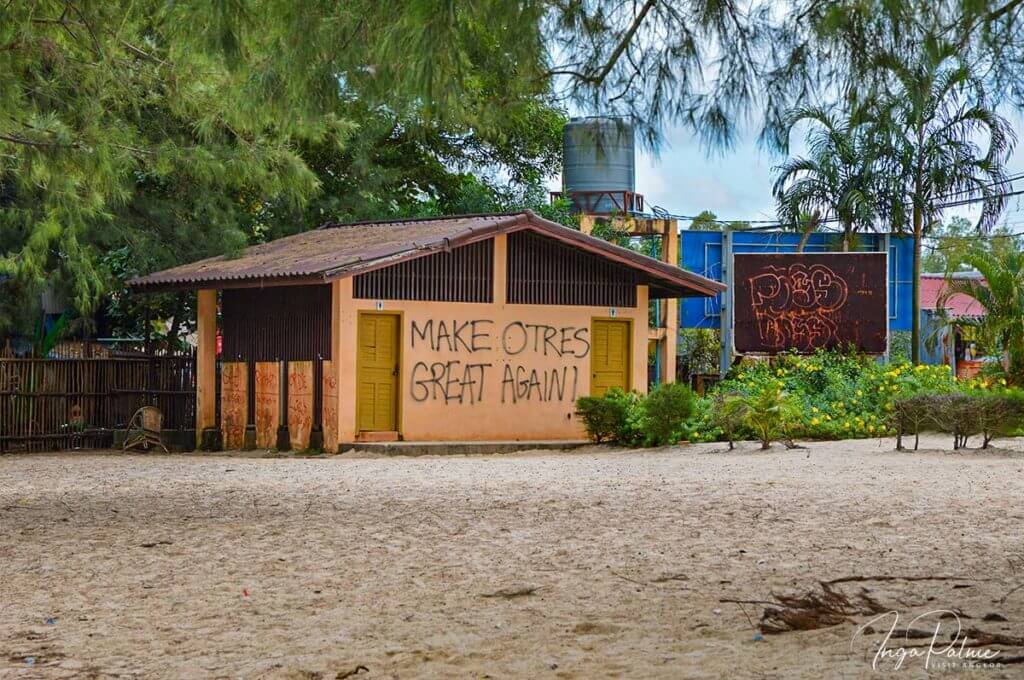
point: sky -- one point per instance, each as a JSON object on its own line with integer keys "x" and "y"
{"x": 736, "y": 184}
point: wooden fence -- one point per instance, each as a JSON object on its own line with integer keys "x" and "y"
{"x": 54, "y": 404}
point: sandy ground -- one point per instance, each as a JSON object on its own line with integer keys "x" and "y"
{"x": 187, "y": 566}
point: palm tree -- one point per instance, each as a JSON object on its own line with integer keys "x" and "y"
{"x": 935, "y": 119}
{"x": 836, "y": 180}
{"x": 1001, "y": 293}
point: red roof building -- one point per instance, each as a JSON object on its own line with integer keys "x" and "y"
{"x": 934, "y": 285}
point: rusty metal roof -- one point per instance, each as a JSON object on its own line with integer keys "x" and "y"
{"x": 336, "y": 251}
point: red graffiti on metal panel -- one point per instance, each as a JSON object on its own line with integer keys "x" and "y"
{"x": 797, "y": 306}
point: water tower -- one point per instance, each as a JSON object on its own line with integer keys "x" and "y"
{"x": 599, "y": 166}
{"x": 599, "y": 178}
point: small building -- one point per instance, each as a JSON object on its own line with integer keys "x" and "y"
{"x": 943, "y": 339}
{"x": 479, "y": 327}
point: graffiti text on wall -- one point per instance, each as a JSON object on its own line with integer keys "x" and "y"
{"x": 463, "y": 381}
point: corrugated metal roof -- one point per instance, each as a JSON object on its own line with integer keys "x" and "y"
{"x": 933, "y": 286}
{"x": 338, "y": 250}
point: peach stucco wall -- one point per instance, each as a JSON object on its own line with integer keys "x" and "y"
{"x": 483, "y": 371}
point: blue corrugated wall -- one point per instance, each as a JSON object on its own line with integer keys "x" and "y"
{"x": 701, "y": 252}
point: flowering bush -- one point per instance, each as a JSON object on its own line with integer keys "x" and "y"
{"x": 841, "y": 396}
{"x": 827, "y": 395}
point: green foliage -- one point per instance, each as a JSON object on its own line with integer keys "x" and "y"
{"x": 839, "y": 396}
{"x": 170, "y": 132}
{"x": 899, "y": 346}
{"x": 1001, "y": 293}
{"x": 769, "y": 414}
{"x": 698, "y": 350}
{"x": 705, "y": 221}
{"x": 837, "y": 179}
{"x": 962, "y": 414}
{"x": 614, "y": 417}
{"x": 950, "y": 239}
{"x": 665, "y": 409}
{"x": 729, "y": 414}
{"x": 601, "y": 417}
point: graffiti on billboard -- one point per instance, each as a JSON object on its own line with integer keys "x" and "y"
{"x": 805, "y": 302}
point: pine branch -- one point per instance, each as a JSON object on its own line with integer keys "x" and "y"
{"x": 997, "y": 14}
{"x": 613, "y": 58}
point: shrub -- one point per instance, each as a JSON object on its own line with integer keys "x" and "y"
{"x": 729, "y": 413}
{"x": 1000, "y": 415}
{"x": 913, "y": 415}
{"x": 665, "y": 410}
{"x": 963, "y": 415}
{"x": 601, "y": 417}
{"x": 614, "y": 417}
{"x": 769, "y": 414}
{"x": 842, "y": 395}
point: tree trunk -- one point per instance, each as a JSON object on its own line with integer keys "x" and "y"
{"x": 812, "y": 224}
{"x": 915, "y": 306}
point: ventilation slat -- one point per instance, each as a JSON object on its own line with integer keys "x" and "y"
{"x": 542, "y": 271}
{"x": 465, "y": 274}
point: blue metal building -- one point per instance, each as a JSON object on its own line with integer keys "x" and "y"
{"x": 702, "y": 251}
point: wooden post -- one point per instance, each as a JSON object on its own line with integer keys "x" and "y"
{"x": 500, "y": 269}
{"x": 207, "y": 434}
{"x": 670, "y": 254}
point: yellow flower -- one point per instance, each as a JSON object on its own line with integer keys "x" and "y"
{"x": 1002, "y": 381}
{"x": 859, "y": 393}
{"x": 814, "y": 421}
{"x": 828, "y": 417}
{"x": 871, "y": 428}
{"x": 696, "y": 435}
{"x": 840, "y": 404}
{"x": 814, "y": 409}
{"x": 780, "y": 372}
{"x": 846, "y": 425}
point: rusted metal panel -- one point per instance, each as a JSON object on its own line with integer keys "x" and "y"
{"x": 268, "y": 403}
{"x": 804, "y": 302}
{"x": 290, "y": 323}
{"x": 329, "y": 381}
{"x": 336, "y": 251}
{"x": 464, "y": 274}
{"x": 234, "y": 402}
{"x": 300, "y": 403}
{"x": 543, "y": 271}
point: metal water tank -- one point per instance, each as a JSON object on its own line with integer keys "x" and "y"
{"x": 599, "y": 164}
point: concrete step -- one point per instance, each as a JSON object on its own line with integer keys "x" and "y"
{"x": 460, "y": 448}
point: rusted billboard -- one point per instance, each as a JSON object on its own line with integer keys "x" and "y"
{"x": 802, "y": 302}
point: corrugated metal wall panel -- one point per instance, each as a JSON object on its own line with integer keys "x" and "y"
{"x": 279, "y": 323}
{"x": 543, "y": 271}
{"x": 464, "y": 274}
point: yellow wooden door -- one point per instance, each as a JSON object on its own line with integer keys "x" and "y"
{"x": 377, "y": 372}
{"x": 610, "y": 356}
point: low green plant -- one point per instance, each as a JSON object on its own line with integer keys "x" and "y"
{"x": 601, "y": 417}
{"x": 728, "y": 414}
{"x": 990, "y": 414}
{"x": 665, "y": 410}
{"x": 614, "y": 417}
{"x": 1000, "y": 415}
{"x": 769, "y": 414}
